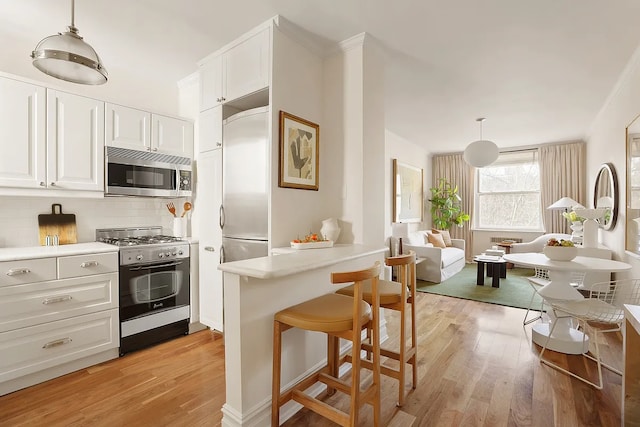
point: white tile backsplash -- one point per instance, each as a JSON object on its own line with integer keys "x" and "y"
{"x": 19, "y": 216}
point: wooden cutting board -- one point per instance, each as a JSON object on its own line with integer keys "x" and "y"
{"x": 57, "y": 223}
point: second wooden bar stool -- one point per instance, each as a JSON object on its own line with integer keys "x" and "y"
{"x": 338, "y": 316}
{"x": 396, "y": 296}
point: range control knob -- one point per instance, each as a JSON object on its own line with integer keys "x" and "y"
{"x": 139, "y": 257}
{"x": 161, "y": 254}
{"x": 180, "y": 252}
{"x": 174, "y": 253}
{"x": 168, "y": 254}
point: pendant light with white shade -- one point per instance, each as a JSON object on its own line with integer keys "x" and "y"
{"x": 482, "y": 152}
{"x": 67, "y": 56}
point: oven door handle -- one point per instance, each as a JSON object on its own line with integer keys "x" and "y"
{"x": 155, "y": 266}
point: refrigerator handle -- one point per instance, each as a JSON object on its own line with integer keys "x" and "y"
{"x": 221, "y": 221}
{"x": 221, "y": 254}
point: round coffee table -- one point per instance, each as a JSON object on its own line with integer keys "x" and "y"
{"x": 496, "y": 269}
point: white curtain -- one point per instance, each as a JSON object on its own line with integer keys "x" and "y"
{"x": 456, "y": 171}
{"x": 562, "y": 174}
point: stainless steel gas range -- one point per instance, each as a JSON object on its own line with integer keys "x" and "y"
{"x": 154, "y": 285}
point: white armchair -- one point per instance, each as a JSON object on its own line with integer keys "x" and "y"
{"x": 436, "y": 264}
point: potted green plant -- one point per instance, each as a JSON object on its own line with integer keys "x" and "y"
{"x": 446, "y": 209}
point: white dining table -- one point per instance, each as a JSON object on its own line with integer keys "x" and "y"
{"x": 565, "y": 338}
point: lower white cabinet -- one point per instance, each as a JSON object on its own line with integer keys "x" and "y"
{"x": 57, "y": 315}
{"x": 25, "y": 305}
{"x": 35, "y": 348}
{"x": 209, "y": 194}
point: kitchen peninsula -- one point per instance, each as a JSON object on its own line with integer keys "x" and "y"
{"x": 254, "y": 290}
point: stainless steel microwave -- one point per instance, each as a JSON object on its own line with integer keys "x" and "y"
{"x": 142, "y": 173}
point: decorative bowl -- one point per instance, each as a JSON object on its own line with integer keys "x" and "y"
{"x": 560, "y": 253}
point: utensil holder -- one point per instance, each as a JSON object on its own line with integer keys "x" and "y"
{"x": 179, "y": 227}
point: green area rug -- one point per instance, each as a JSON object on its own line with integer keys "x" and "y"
{"x": 514, "y": 291}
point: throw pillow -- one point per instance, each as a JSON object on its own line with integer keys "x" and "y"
{"x": 436, "y": 240}
{"x": 445, "y": 236}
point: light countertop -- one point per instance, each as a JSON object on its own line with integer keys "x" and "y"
{"x": 297, "y": 262}
{"x": 632, "y": 314}
{"x": 31, "y": 252}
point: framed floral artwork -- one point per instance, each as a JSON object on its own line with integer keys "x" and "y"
{"x": 299, "y": 152}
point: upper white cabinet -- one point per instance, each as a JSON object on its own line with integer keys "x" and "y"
{"x": 75, "y": 142}
{"x": 128, "y": 127}
{"x": 211, "y": 83}
{"x": 50, "y": 139}
{"x": 210, "y": 124}
{"x": 237, "y": 71}
{"x": 141, "y": 130}
{"x": 171, "y": 136}
{"x": 22, "y": 134}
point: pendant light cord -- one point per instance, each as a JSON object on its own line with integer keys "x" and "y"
{"x": 73, "y": 17}
{"x": 481, "y": 119}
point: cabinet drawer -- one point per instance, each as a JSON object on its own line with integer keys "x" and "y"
{"x": 27, "y": 271}
{"x": 32, "y": 349}
{"x": 35, "y": 303}
{"x": 85, "y": 265}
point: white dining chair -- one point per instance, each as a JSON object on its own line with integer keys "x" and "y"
{"x": 538, "y": 281}
{"x": 602, "y": 308}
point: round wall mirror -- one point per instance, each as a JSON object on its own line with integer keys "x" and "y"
{"x": 605, "y": 195}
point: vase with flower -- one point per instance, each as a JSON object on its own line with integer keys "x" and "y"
{"x": 576, "y": 225}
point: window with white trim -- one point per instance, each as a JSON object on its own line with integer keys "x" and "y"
{"x": 508, "y": 193}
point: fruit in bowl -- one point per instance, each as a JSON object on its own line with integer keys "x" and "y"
{"x": 560, "y": 250}
{"x": 309, "y": 238}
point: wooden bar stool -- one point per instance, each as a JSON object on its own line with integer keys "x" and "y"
{"x": 396, "y": 296}
{"x": 338, "y": 316}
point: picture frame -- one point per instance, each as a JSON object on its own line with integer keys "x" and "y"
{"x": 299, "y": 153}
{"x": 408, "y": 192}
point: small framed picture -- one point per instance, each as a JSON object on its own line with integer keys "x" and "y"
{"x": 299, "y": 152}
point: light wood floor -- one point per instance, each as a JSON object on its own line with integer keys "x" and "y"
{"x": 476, "y": 368}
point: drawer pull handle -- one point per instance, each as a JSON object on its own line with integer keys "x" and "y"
{"x": 56, "y": 343}
{"x": 53, "y": 300}
{"x": 209, "y": 249}
{"x": 17, "y": 271}
{"x": 89, "y": 264}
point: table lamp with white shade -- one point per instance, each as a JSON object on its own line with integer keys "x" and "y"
{"x": 565, "y": 204}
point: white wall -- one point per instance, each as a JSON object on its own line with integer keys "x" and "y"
{"x": 606, "y": 143}
{"x": 296, "y": 87}
{"x": 373, "y": 142}
{"x": 19, "y": 216}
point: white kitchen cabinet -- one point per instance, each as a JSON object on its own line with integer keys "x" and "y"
{"x": 50, "y": 139}
{"x": 211, "y": 83}
{"x": 48, "y": 345}
{"x": 57, "y": 315}
{"x": 209, "y": 196}
{"x": 210, "y": 124}
{"x": 75, "y": 142}
{"x": 127, "y": 127}
{"x": 135, "y": 129}
{"x": 238, "y": 71}
{"x": 170, "y": 135}
{"x": 245, "y": 67}
{"x": 22, "y": 134}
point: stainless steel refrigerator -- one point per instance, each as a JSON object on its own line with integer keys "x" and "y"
{"x": 244, "y": 212}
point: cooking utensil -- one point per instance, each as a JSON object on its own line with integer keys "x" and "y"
{"x": 187, "y": 208}
{"x": 57, "y": 224}
{"x": 171, "y": 208}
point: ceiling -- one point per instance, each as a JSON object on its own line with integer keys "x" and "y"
{"x": 539, "y": 71}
